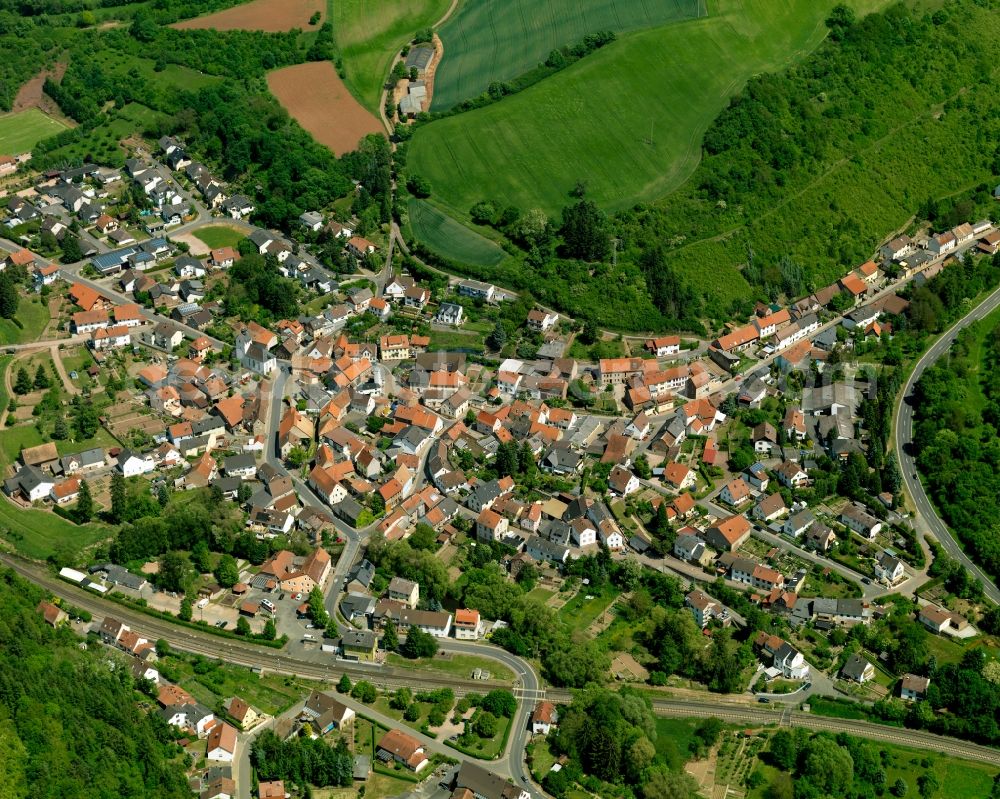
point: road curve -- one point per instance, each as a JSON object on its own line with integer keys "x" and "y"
{"x": 255, "y": 656}
{"x": 926, "y": 515}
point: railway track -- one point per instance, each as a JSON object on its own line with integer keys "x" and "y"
{"x": 264, "y": 659}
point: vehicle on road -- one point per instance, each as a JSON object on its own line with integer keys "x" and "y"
{"x": 763, "y": 700}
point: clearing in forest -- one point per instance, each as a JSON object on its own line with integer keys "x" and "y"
{"x": 319, "y": 101}
{"x": 269, "y": 16}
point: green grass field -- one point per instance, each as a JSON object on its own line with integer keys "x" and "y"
{"x": 628, "y": 120}
{"x": 217, "y": 236}
{"x": 33, "y": 314}
{"x": 371, "y": 32}
{"x": 459, "y": 665}
{"x": 21, "y": 131}
{"x": 38, "y": 533}
{"x": 449, "y": 238}
{"x": 488, "y": 40}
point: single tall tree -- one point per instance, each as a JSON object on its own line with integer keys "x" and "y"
{"x": 119, "y": 497}
{"x": 84, "y": 504}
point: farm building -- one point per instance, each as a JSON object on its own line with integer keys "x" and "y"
{"x": 420, "y": 57}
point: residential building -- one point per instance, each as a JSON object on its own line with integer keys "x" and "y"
{"x": 702, "y": 606}
{"x": 405, "y": 591}
{"x": 543, "y": 718}
{"x": 468, "y": 625}
{"x": 857, "y": 669}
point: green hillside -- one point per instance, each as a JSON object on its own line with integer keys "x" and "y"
{"x": 488, "y": 40}
{"x": 628, "y": 119}
{"x": 451, "y": 239}
{"x": 72, "y": 727}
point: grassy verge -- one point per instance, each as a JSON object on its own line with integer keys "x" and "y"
{"x": 457, "y": 665}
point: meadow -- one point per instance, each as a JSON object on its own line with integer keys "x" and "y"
{"x": 449, "y": 238}
{"x": 21, "y": 131}
{"x": 627, "y": 120}
{"x": 487, "y": 40}
{"x": 369, "y": 34}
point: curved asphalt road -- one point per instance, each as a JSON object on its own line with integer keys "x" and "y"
{"x": 526, "y": 679}
{"x": 736, "y": 710}
{"x": 927, "y": 517}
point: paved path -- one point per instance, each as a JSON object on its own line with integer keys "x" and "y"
{"x": 927, "y": 518}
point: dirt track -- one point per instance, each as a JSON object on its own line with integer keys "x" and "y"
{"x": 317, "y": 98}
{"x": 32, "y": 95}
{"x": 269, "y": 16}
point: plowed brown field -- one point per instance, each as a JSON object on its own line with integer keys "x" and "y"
{"x": 319, "y": 101}
{"x": 270, "y": 16}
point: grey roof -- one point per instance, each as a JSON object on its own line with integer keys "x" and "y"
{"x": 854, "y": 667}
{"x": 354, "y": 605}
{"x": 238, "y": 463}
{"x": 419, "y": 57}
{"x": 546, "y": 548}
{"x": 364, "y": 639}
{"x": 119, "y": 576}
{"x": 362, "y": 572}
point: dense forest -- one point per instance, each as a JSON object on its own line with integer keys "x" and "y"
{"x": 70, "y": 726}
{"x": 957, "y": 415}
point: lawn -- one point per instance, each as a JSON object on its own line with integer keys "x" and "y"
{"x": 216, "y": 236}
{"x": 580, "y": 612}
{"x": 541, "y": 594}
{"x": 21, "y": 131}
{"x": 449, "y": 238}
{"x": 457, "y": 340}
{"x": 458, "y": 665}
{"x": 33, "y": 314}
{"x": 39, "y": 534}
{"x": 371, "y": 32}
{"x": 673, "y": 741}
{"x": 487, "y": 41}
{"x": 628, "y": 120}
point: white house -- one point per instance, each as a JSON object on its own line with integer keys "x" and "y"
{"x": 702, "y": 606}
{"x": 468, "y": 625}
{"x": 222, "y": 742}
{"x": 888, "y": 568}
{"x": 858, "y": 519}
{"x": 543, "y": 718}
{"x": 132, "y": 463}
